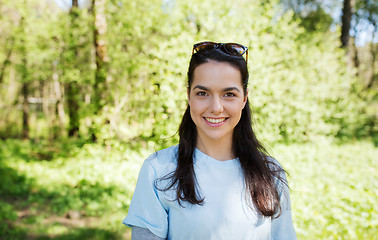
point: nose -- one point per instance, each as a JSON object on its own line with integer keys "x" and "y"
{"x": 216, "y": 105}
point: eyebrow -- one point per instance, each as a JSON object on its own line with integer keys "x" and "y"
{"x": 224, "y": 90}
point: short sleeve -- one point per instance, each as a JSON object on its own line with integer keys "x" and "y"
{"x": 146, "y": 210}
{"x": 282, "y": 227}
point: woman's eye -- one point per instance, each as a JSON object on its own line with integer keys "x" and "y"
{"x": 229, "y": 94}
{"x": 201, "y": 94}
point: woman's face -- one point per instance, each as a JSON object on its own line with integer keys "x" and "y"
{"x": 216, "y": 100}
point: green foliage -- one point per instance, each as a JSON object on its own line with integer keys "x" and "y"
{"x": 301, "y": 90}
{"x": 313, "y": 15}
{"x": 53, "y": 183}
{"x": 334, "y": 188}
{"x": 148, "y": 83}
{"x": 7, "y": 212}
{"x": 300, "y": 87}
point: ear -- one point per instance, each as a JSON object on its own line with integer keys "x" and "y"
{"x": 188, "y": 94}
{"x": 245, "y": 98}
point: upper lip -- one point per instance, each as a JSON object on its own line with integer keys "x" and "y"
{"x": 215, "y": 117}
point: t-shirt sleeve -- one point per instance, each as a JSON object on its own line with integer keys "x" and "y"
{"x": 282, "y": 227}
{"x": 143, "y": 234}
{"x": 146, "y": 209}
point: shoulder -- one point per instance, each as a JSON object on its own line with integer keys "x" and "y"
{"x": 164, "y": 156}
{"x": 163, "y": 161}
{"x": 274, "y": 165}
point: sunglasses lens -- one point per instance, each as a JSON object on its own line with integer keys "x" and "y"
{"x": 234, "y": 49}
{"x": 204, "y": 46}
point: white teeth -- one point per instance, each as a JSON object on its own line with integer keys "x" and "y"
{"x": 215, "y": 120}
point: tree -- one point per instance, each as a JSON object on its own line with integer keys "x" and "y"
{"x": 72, "y": 87}
{"x": 23, "y": 68}
{"x": 101, "y": 94}
{"x": 367, "y": 14}
{"x": 124, "y": 74}
{"x": 346, "y": 19}
{"x": 6, "y": 62}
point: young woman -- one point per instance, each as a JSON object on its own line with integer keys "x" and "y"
{"x": 219, "y": 182}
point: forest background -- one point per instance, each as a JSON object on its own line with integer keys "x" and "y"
{"x": 88, "y": 91}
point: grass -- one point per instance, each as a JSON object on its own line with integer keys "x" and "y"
{"x": 72, "y": 191}
{"x": 334, "y": 189}
{"x": 75, "y": 190}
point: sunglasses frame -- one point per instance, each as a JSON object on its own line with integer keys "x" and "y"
{"x": 223, "y": 47}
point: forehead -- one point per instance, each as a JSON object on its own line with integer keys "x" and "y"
{"x": 217, "y": 75}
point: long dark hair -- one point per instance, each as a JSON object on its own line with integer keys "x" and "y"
{"x": 260, "y": 173}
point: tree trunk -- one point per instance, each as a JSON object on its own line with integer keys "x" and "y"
{"x": 346, "y": 19}
{"x": 356, "y": 61}
{"x": 45, "y": 107}
{"x": 101, "y": 94}
{"x": 72, "y": 88}
{"x": 24, "y": 81}
{"x": 72, "y": 91}
{"x": 373, "y": 75}
{"x": 25, "y": 110}
{"x": 100, "y": 29}
{"x": 353, "y": 55}
{"x": 59, "y": 107}
{"x": 7, "y": 58}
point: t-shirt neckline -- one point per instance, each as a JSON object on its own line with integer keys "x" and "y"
{"x": 198, "y": 154}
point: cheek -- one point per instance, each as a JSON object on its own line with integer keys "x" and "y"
{"x": 196, "y": 107}
{"x": 235, "y": 108}
{"x": 193, "y": 110}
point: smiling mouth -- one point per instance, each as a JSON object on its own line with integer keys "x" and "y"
{"x": 215, "y": 120}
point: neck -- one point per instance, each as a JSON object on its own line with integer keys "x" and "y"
{"x": 218, "y": 149}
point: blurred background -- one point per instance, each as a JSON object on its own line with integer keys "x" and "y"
{"x": 88, "y": 89}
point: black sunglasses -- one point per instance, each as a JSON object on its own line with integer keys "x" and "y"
{"x": 233, "y": 49}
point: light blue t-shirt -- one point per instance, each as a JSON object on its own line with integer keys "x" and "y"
{"x": 225, "y": 213}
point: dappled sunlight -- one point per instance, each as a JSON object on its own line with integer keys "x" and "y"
{"x": 333, "y": 187}
{"x": 88, "y": 92}
{"x": 66, "y": 197}
{"x": 82, "y": 197}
